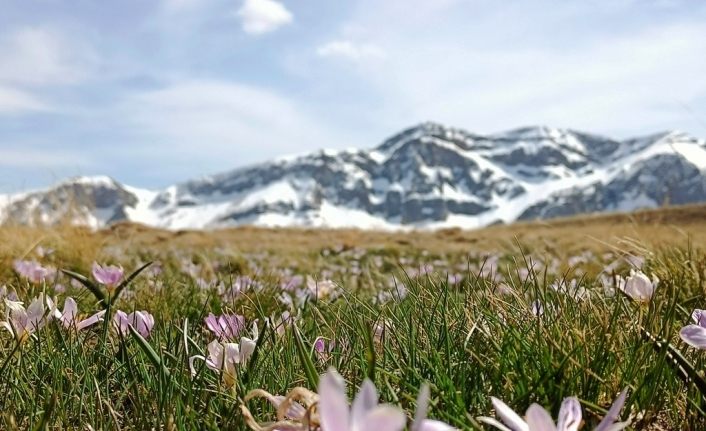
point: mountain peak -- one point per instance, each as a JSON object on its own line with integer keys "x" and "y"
{"x": 425, "y": 133}
{"x": 422, "y": 129}
{"x": 676, "y": 135}
{"x": 530, "y": 133}
{"x": 94, "y": 180}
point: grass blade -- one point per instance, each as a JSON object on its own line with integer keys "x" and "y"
{"x": 312, "y": 375}
{"x": 91, "y": 286}
{"x": 128, "y": 280}
{"x": 43, "y": 425}
{"x": 149, "y": 351}
{"x": 683, "y": 366}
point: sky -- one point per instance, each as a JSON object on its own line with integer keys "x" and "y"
{"x": 154, "y": 92}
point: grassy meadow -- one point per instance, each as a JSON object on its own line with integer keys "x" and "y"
{"x": 527, "y": 313}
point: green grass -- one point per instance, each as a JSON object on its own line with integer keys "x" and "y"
{"x": 467, "y": 340}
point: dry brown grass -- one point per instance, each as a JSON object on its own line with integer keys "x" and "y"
{"x": 651, "y": 229}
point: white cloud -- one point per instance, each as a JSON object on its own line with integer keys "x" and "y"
{"x": 506, "y": 70}
{"x": 219, "y": 124}
{"x": 14, "y": 101}
{"x": 180, "y": 5}
{"x": 35, "y": 59}
{"x": 40, "y": 158}
{"x": 39, "y": 56}
{"x": 263, "y": 16}
{"x": 350, "y": 50}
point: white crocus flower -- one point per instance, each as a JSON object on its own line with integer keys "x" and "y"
{"x": 69, "y": 317}
{"x": 364, "y": 415}
{"x": 224, "y": 358}
{"x": 22, "y": 322}
{"x": 639, "y": 287}
{"x": 695, "y": 334}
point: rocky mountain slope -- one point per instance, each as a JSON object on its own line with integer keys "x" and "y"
{"x": 428, "y": 176}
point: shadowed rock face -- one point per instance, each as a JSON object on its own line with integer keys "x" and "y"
{"x": 663, "y": 179}
{"x": 428, "y": 174}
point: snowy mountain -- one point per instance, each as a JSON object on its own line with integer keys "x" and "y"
{"x": 428, "y": 176}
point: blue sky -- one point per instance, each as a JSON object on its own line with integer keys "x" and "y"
{"x": 153, "y": 92}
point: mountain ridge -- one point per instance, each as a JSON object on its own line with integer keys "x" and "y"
{"x": 426, "y": 176}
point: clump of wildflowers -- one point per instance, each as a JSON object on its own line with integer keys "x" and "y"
{"x": 538, "y": 419}
{"x": 33, "y": 271}
{"x": 22, "y": 322}
{"x": 226, "y": 357}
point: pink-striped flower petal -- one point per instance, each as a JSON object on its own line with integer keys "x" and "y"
{"x": 694, "y": 335}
